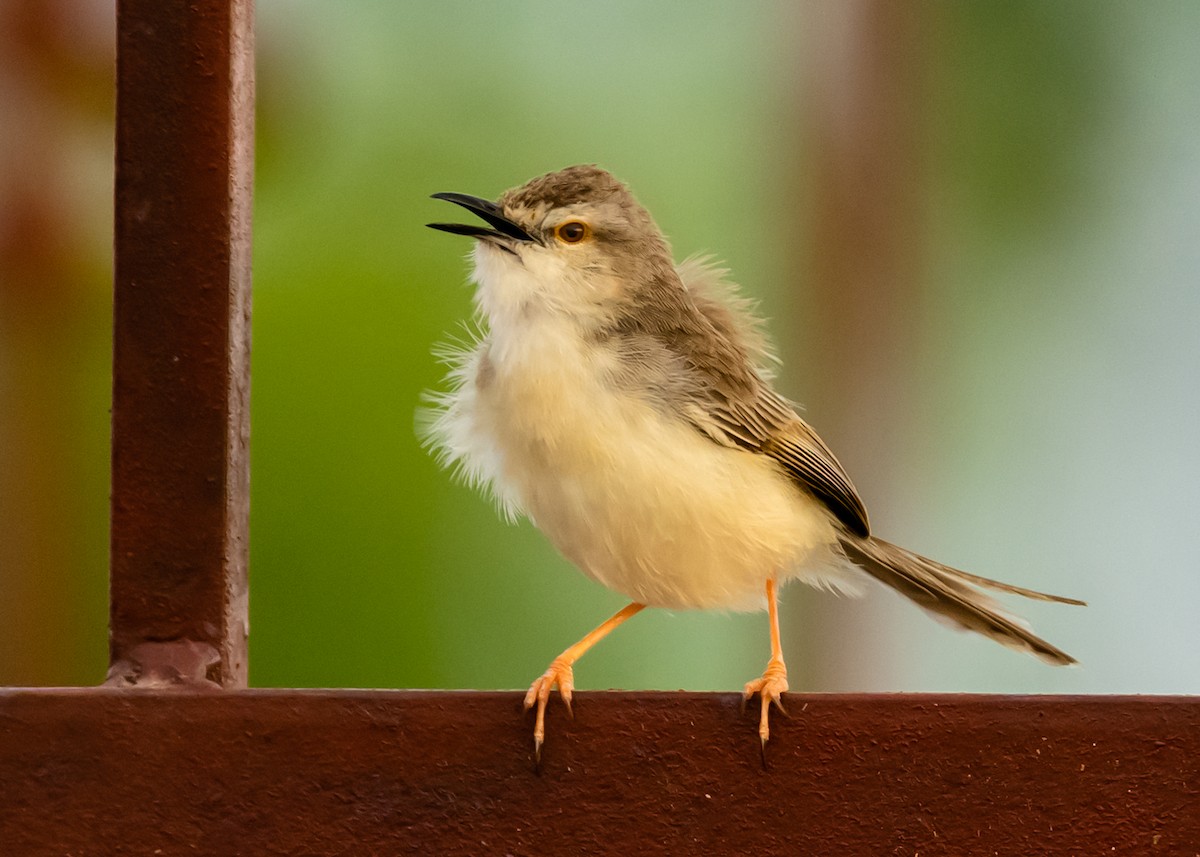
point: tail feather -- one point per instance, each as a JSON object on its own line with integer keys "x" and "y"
{"x": 948, "y": 592}
{"x": 1001, "y": 586}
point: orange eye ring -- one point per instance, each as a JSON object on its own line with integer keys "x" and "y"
{"x": 572, "y": 231}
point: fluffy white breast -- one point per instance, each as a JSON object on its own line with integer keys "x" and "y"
{"x": 641, "y": 502}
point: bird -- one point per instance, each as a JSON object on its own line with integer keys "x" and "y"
{"x": 625, "y": 405}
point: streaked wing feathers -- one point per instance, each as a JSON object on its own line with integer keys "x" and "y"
{"x": 769, "y": 426}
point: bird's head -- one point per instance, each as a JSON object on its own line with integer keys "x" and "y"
{"x": 573, "y": 241}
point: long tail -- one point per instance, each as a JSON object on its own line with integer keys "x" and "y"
{"x": 950, "y": 593}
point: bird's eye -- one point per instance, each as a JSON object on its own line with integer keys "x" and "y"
{"x": 571, "y": 232}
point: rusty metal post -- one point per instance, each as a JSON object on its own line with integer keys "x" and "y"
{"x": 181, "y": 378}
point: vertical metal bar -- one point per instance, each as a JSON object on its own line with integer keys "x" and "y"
{"x": 181, "y": 379}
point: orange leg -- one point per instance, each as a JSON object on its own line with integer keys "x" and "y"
{"x": 773, "y": 683}
{"x": 560, "y": 673}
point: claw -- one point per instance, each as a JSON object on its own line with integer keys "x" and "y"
{"x": 560, "y": 674}
{"x": 770, "y": 689}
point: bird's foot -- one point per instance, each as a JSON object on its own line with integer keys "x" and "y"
{"x": 770, "y": 689}
{"x": 561, "y": 674}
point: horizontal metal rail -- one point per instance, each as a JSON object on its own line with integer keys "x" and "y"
{"x": 370, "y": 772}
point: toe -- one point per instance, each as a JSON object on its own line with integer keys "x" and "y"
{"x": 559, "y": 674}
{"x": 770, "y": 689}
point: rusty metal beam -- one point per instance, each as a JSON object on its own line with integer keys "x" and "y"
{"x": 369, "y": 772}
{"x": 181, "y": 379}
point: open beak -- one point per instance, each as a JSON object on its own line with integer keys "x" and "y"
{"x": 503, "y": 231}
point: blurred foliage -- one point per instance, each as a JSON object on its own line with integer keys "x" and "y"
{"x": 1055, "y": 398}
{"x": 56, "y": 106}
{"x": 1015, "y": 91}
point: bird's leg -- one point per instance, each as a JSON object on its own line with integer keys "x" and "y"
{"x": 560, "y": 673}
{"x": 773, "y": 683}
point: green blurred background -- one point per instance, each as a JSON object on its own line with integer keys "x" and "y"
{"x": 975, "y": 228}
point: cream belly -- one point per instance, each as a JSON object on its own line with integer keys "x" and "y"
{"x": 644, "y": 504}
